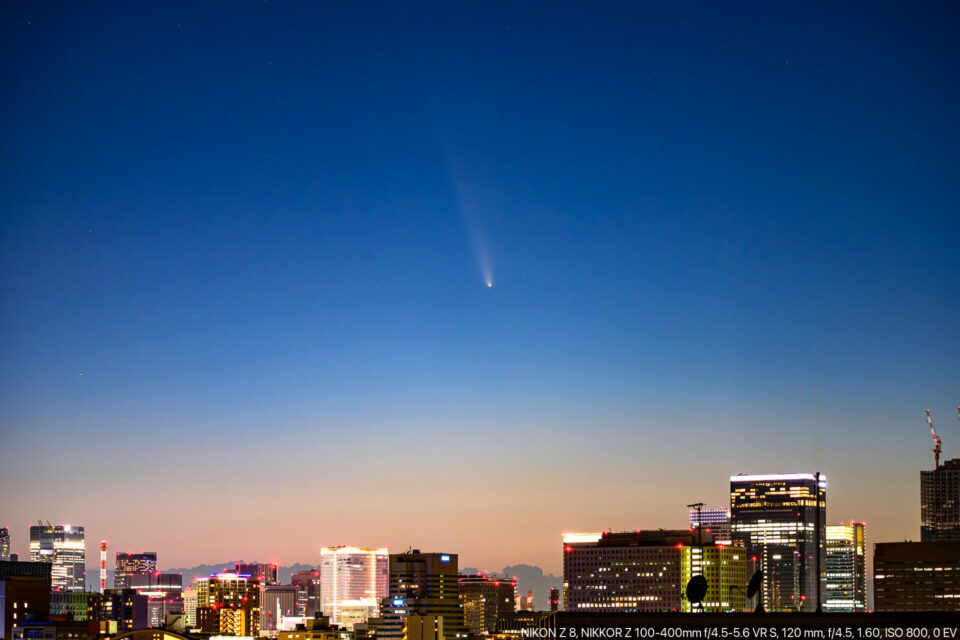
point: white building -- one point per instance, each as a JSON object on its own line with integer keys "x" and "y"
{"x": 353, "y": 580}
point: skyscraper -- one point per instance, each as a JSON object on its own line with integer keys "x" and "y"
{"x": 63, "y": 547}
{"x": 308, "y": 592}
{"x": 485, "y": 599}
{"x": 230, "y": 602}
{"x": 189, "y": 596}
{"x": 633, "y": 571}
{"x": 940, "y": 503}
{"x": 776, "y": 517}
{"x": 132, "y": 564}
{"x": 4, "y": 544}
{"x": 423, "y": 584}
{"x": 163, "y": 592}
{"x": 277, "y": 601}
{"x": 353, "y": 581}
{"x": 845, "y": 577}
{"x": 265, "y": 573}
{"x": 715, "y": 521}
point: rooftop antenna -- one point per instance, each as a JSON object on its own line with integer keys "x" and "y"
{"x": 936, "y": 440}
{"x": 698, "y": 506}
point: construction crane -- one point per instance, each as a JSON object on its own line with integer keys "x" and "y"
{"x": 936, "y": 441}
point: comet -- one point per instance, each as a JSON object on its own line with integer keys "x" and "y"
{"x": 469, "y": 207}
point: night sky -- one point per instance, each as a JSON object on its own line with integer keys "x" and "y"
{"x": 245, "y": 252}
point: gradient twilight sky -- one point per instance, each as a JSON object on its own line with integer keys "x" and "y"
{"x": 244, "y": 248}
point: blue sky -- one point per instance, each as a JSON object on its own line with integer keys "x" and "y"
{"x": 721, "y": 239}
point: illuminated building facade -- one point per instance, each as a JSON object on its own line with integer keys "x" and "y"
{"x": 845, "y": 577}
{"x": 940, "y": 503}
{"x": 775, "y": 516}
{"x": 422, "y": 584}
{"x": 725, "y": 569}
{"x": 265, "y": 573}
{"x": 189, "y": 596}
{"x": 80, "y": 606}
{"x": 485, "y": 599}
{"x": 634, "y": 571}
{"x": 716, "y": 521}
{"x": 916, "y": 576}
{"x": 64, "y": 548}
{"x": 236, "y": 594}
{"x": 132, "y": 564}
{"x": 353, "y": 582}
{"x": 4, "y": 544}
{"x": 308, "y": 592}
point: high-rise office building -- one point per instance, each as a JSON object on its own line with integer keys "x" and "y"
{"x": 423, "y": 584}
{"x": 308, "y": 592}
{"x": 4, "y": 544}
{"x": 164, "y": 594}
{"x": 189, "y": 596}
{"x": 485, "y": 599}
{"x": 844, "y": 576}
{"x": 131, "y": 564}
{"x": 353, "y": 581}
{"x": 633, "y": 571}
{"x": 916, "y": 576}
{"x": 277, "y": 601}
{"x": 236, "y": 594}
{"x": 715, "y": 521}
{"x": 776, "y": 517}
{"x": 725, "y": 570}
{"x": 940, "y": 503}
{"x": 265, "y": 573}
{"x": 64, "y": 548}
{"x": 24, "y": 593}
{"x": 122, "y": 611}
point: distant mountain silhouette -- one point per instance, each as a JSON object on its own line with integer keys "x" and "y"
{"x": 529, "y": 577}
{"x": 283, "y": 573}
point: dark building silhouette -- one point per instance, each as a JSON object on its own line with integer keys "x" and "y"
{"x": 308, "y": 592}
{"x": 124, "y": 610}
{"x": 24, "y": 593}
{"x": 554, "y": 599}
{"x": 940, "y": 503}
{"x": 916, "y": 576}
{"x": 265, "y": 573}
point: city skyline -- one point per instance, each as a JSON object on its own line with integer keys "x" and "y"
{"x": 829, "y": 520}
{"x": 377, "y": 275}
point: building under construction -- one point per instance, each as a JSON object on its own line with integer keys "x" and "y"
{"x": 940, "y": 503}
{"x": 940, "y": 496}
